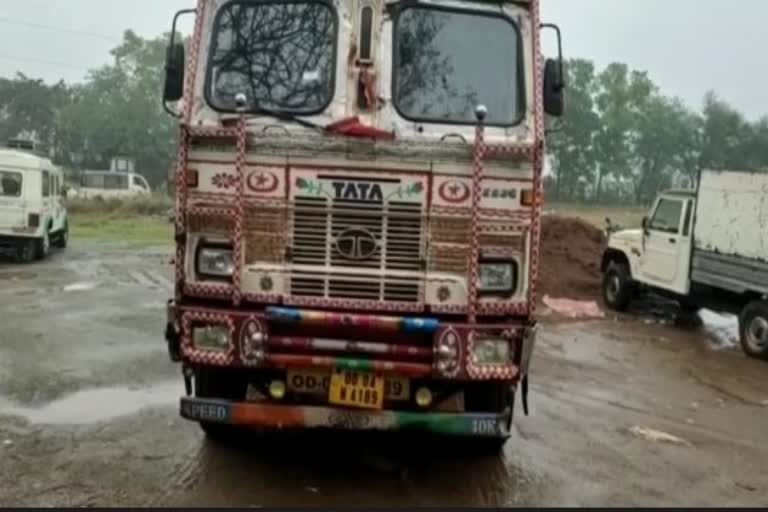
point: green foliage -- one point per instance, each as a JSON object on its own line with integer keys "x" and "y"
{"x": 154, "y": 205}
{"x": 130, "y": 230}
{"x": 622, "y": 140}
{"x": 116, "y": 111}
{"x": 28, "y": 108}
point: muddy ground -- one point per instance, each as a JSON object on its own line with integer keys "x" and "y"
{"x": 88, "y": 414}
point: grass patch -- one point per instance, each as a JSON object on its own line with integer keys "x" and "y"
{"x": 156, "y": 204}
{"x": 133, "y": 230}
{"x": 625, "y": 216}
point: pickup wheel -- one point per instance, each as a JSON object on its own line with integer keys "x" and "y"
{"x": 44, "y": 245}
{"x": 62, "y": 237}
{"x": 26, "y": 251}
{"x": 618, "y": 286}
{"x": 753, "y": 329}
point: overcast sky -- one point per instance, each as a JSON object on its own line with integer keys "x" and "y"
{"x": 688, "y": 46}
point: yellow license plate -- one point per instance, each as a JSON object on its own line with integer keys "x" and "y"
{"x": 357, "y": 389}
{"x": 318, "y": 382}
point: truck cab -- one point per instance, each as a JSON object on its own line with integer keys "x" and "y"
{"x": 658, "y": 254}
{"x": 358, "y": 213}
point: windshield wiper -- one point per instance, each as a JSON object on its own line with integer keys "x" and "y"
{"x": 284, "y": 116}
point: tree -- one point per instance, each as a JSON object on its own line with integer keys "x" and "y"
{"x": 725, "y": 135}
{"x": 622, "y": 99}
{"x": 117, "y": 112}
{"x": 572, "y": 145}
{"x": 667, "y": 142}
{"x": 28, "y": 108}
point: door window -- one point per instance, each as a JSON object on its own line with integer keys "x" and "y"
{"x": 46, "y": 184}
{"x": 667, "y": 216}
{"x": 93, "y": 181}
{"x": 138, "y": 181}
{"x": 10, "y": 184}
{"x": 116, "y": 182}
{"x": 688, "y": 215}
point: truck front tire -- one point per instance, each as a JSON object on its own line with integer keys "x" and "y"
{"x": 210, "y": 383}
{"x": 753, "y": 329}
{"x": 489, "y": 397}
{"x": 618, "y": 287}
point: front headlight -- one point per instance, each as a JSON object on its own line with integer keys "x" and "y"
{"x": 492, "y": 351}
{"x": 215, "y": 262}
{"x": 497, "y": 277}
{"x": 212, "y": 337}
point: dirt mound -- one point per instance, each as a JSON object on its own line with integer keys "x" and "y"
{"x": 571, "y": 252}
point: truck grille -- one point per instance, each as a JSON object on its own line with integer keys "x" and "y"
{"x": 364, "y": 251}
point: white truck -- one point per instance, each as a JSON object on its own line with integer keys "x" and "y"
{"x": 111, "y": 185}
{"x": 33, "y": 216}
{"x": 705, "y": 248}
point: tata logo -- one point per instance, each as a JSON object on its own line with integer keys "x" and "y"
{"x": 356, "y": 244}
{"x": 354, "y": 191}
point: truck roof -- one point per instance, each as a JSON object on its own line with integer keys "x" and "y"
{"x": 24, "y": 160}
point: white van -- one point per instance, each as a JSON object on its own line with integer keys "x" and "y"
{"x": 112, "y": 185}
{"x": 33, "y": 216}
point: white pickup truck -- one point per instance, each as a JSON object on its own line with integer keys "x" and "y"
{"x": 705, "y": 248}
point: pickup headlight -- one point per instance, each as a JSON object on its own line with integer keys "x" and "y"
{"x": 492, "y": 351}
{"x": 498, "y": 277}
{"x": 215, "y": 262}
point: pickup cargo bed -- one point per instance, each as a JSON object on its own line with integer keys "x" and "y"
{"x": 731, "y": 231}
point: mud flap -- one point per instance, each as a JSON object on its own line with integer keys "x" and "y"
{"x": 524, "y": 393}
{"x": 174, "y": 347}
{"x": 187, "y": 373}
{"x": 171, "y": 334}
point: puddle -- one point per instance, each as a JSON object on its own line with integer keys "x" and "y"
{"x": 15, "y": 275}
{"x": 96, "y": 405}
{"x": 723, "y": 329}
{"x": 80, "y": 287}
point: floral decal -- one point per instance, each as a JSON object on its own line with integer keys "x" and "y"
{"x": 224, "y": 181}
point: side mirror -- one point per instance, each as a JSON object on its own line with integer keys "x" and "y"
{"x": 175, "y": 60}
{"x": 646, "y": 224}
{"x": 554, "y": 88}
{"x": 174, "y": 73}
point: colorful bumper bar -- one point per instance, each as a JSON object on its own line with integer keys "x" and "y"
{"x": 374, "y": 322}
{"x": 299, "y": 417}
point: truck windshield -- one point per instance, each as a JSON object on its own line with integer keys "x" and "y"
{"x": 281, "y": 55}
{"x": 10, "y": 184}
{"x": 447, "y": 62}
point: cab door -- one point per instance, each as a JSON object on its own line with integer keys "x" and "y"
{"x": 57, "y": 197}
{"x": 13, "y": 204}
{"x": 665, "y": 253}
{"x": 47, "y": 198}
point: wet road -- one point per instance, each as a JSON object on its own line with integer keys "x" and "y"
{"x": 88, "y": 414}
